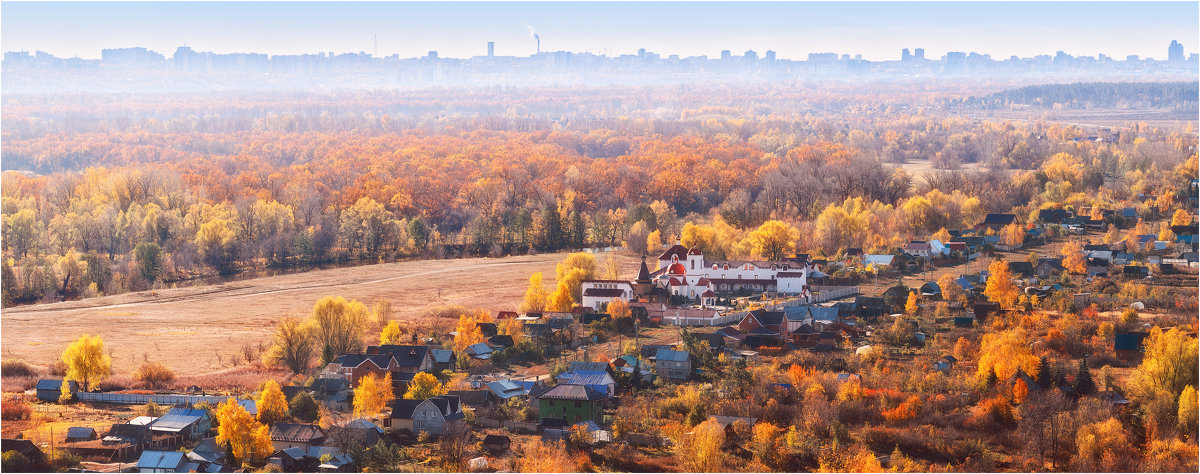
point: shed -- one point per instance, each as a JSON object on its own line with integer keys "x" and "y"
{"x": 49, "y": 389}
{"x": 497, "y": 444}
{"x": 80, "y": 433}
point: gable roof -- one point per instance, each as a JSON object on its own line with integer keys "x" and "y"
{"x": 670, "y": 355}
{"x": 768, "y": 318}
{"x": 402, "y": 409}
{"x": 1024, "y": 269}
{"x": 160, "y": 460}
{"x": 586, "y": 377}
{"x": 405, "y": 355}
{"x": 55, "y": 384}
{"x": 81, "y": 432}
{"x": 357, "y": 360}
{"x": 441, "y": 356}
{"x": 587, "y": 365}
{"x": 998, "y": 219}
{"x": 676, "y": 250}
{"x": 572, "y": 392}
{"x": 295, "y": 432}
{"x": 196, "y": 412}
{"x": 173, "y": 422}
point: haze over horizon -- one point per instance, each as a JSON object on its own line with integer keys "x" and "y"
{"x": 876, "y": 30}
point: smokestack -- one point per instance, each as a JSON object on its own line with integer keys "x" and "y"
{"x": 539, "y": 42}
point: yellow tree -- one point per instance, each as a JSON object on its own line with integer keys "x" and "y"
{"x": 1181, "y": 217}
{"x": 1164, "y": 232}
{"x": 86, "y": 362}
{"x": 424, "y": 385}
{"x": 1170, "y": 363}
{"x": 1187, "y": 413}
{"x": 910, "y": 306}
{"x": 573, "y": 270}
{"x": 1005, "y": 352}
{"x": 942, "y": 235}
{"x": 512, "y": 327}
{"x": 272, "y": 405}
{"x": 1012, "y": 235}
{"x": 774, "y": 240}
{"x": 561, "y": 299}
{"x": 610, "y": 269}
{"x": 391, "y": 333}
{"x": 619, "y": 309}
{"x": 702, "y": 453}
{"x": 339, "y": 326}
{"x": 535, "y": 295}
{"x": 1000, "y": 287}
{"x": 247, "y": 439}
{"x": 372, "y": 394}
{"x": 466, "y": 332}
{"x": 1073, "y": 257}
{"x": 654, "y": 241}
{"x": 950, "y": 289}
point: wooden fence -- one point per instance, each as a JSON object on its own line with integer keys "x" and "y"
{"x": 515, "y": 426}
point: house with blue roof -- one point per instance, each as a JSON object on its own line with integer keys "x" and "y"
{"x": 176, "y": 424}
{"x": 204, "y": 424}
{"x": 598, "y": 380}
{"x": 506, "y": 389}
{"x": 676, "y": 365}
{"x": 162, "y": 461}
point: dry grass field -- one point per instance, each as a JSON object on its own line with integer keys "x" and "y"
{"x": 199, "y": 329}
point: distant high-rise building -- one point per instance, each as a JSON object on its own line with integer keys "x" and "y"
{"x": 726, "y": 55}
{"x": 1132, "y": 57}
{"x": 750, "y": 55}
{"x": 770, "y": 56}
{"x": 491, "y": 49}
{"x": 920, "y": 54}
{"x": 905, "y": 55}
{"x": 642, "y": 54}
{"x": 1175, "y": 51}
{"x": 433, "y": 55}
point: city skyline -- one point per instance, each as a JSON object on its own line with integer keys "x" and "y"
{"x": 876, "y": 30}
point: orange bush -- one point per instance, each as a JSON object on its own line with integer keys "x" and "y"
{"x": 905, "y": 411}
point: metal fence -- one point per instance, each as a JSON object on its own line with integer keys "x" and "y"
{"x": 143, "y": 398}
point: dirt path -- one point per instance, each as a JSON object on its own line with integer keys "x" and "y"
{"x": 199, "y": 329}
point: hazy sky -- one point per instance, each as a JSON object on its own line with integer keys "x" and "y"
{"x": 877, "y": 30}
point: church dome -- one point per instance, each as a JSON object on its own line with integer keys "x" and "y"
{"x": 677, "y": 269}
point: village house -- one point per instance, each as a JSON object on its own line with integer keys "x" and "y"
{"x": 599, "y": 293}
{"x": 408, "y": 358}
{"x": 178, "y": 424}
{"x": 598, "y": 380}
{"x": 671, "y": 364}
{"x": 163, "y": 461}
{"x": 570, "y": 403}
{"x": 353, "y": 367}
{"x": 432, "y": 415}
{"x": 295, "y": 435}
{"x": 920, "y": 249}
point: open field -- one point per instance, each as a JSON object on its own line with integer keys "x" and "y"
{"x": 198, "y": 329}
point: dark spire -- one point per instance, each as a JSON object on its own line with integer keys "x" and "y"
{"x": 644, "y": 273}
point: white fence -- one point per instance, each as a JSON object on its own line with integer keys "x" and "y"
{"x": 679, "y": 320}
{"x": 143, "y": 398}
{"x": 826, "y": 293}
